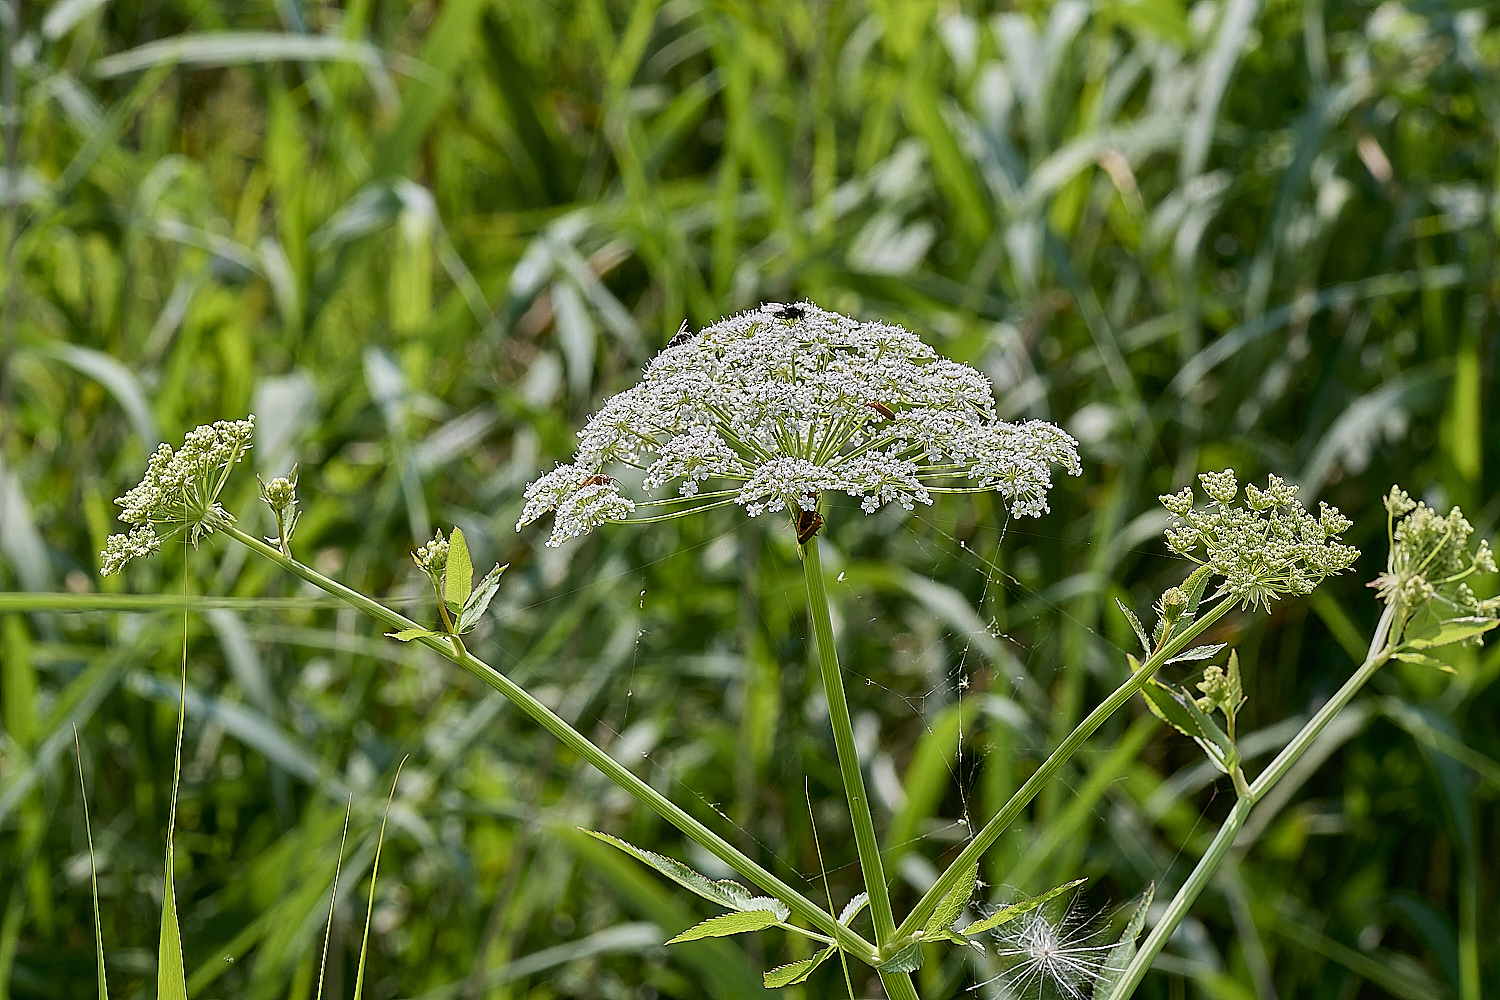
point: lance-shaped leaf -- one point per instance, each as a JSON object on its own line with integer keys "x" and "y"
{"x": 953, "y": 904}
{"x": 1451, "y": 631}
{"x": 852, "y": 908}
{"x": 408, "y": 634}
{"x": 730, "y": 895}
{"x": 1165, "y": 705}
{"x": 795, "y": 972}
{"x": 458, "y": 579}
{"x": 1197, "y": 653}
{"x": 1426, "y": 661}
{"x": 1230, "y": 756}
{"x": 479, "y": 601}
{"x": 727, "y": 924}
{"x": 1124, "y": 950}
{"x": 908, "y": 959}
{"x": 1006, "y": 914}
{"x": 1135, "y": 623}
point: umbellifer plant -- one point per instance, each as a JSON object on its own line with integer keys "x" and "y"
{"x": 776, "y": 408}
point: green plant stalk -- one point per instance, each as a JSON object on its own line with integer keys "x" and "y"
{"x": 581, "y": 745}
{"x": 992, "y": 830}
{"x": 897, "y": 984}
{"x": 1380, "y": 652}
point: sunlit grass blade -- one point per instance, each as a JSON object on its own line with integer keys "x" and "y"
{"x": 93, "y": 871}
{"x": 171, "y": 977}
{"x": 364, "y": 943}
{"x": 333, "y": 898}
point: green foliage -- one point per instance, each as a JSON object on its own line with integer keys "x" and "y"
{"x": 422, "y": 242}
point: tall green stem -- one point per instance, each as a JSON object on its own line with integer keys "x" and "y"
{"x": 800, "y": 905}
{"x": 992, "y": 830}
{"x": 1222, "y": 843}
{"x": 898, "y": 985}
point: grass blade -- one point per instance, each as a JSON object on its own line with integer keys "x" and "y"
{"x": 364, "y": 944}
{"x": 93, "y": 871}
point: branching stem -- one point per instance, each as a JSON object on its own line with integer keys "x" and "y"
{"x": 581, "y": 745}
{"x": 1380, "y": 651}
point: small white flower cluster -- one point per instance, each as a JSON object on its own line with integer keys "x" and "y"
{"x": 1266, "y": 549}
{"x": 179, "y": 492}
{"x": 1430, "y": 559}
{"x": 788, "y": 402}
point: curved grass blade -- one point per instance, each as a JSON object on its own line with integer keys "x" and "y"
{"x": 364, "y": 943}
{"x": 93, "y": 871}
{"x": 334, "y": 898}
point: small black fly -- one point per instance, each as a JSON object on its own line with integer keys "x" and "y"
{"x": 789, "y": 313}
{"x": 682, "y": 336}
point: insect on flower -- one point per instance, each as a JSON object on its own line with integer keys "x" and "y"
{"x": 883, "y": 410}
{"x": 682, "y": 336}
{"x": 598, "y": 480}
{"x": 809, "y": 522}
{"x": 790, "y": 313}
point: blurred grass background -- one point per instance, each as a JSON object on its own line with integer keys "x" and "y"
{"x": 421, "y": 241}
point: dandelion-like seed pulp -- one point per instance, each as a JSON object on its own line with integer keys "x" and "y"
{"x": 1049, "y": 957}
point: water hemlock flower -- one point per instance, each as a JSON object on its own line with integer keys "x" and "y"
{"x": 775, "y": 406}
{"x": 180, "y": 492}
{"x": 1266, "y": 548}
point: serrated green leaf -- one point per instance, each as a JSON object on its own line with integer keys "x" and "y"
{"x": 408, "y": 634}
{"x": 1194, "y": 586}
{"x": 730, "y": 895}
{"x": 852, "y": 908}
{"x": 1008, "y": 913}
{"x": 1198, "y": 653}
{"x": 953, "y": 904}
{"x": 1211, "y": 730}
{"x": 729, "y": 923}
{"x": 479, "y": 601}
{"x": 908, "y": 959}
{"x": 1135, "y": 623}
{"x": 1426, "y": 661}
{"x": 1451, "y": 631}
{"x": 1166, "y": 707}
{"x": 458, "y": 578}
{"x": 1124, "y": 950}
{"x": 795, "y": 972}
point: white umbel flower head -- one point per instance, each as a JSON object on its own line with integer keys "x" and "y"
{"x": 180, "y": 492}
{"x": 775, "y": 406}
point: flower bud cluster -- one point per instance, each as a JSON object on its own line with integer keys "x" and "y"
{"x": 432, "y": 558}
{"x": 280, "y": 494}
{"x": 1430, "y": 560}
{"x": 180, "y": 492}
{"x": 782, "y": 403}
{"x": 1265, "y": 549}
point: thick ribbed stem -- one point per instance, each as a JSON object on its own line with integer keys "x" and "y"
{"x": 898, "y": 985}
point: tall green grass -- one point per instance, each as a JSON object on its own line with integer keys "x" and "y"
{"x": 421, "y": 241}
